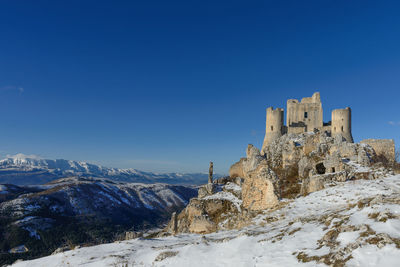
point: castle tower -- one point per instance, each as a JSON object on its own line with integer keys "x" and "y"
{"x": 341, "y": 123}
{"x": 274, "y": 125}
{"x": 305, "y": 115}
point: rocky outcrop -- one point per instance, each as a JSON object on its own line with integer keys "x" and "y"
{"x": 132, "y": 234}
{"x": 260, "y": 190}
{"x": 227, "y": 179}
{"x": 321, "y": 159}
{"x": 245, "y": 166}
{"x": 233, "y": 188}
{"x": 290, "y": 166}
{"x": 202, "y": 216}
{"x": 312, "y": 184}
{"x": 236, "y": 170}
{"x": 253, "y": 160}
{"x": 207, "y": 190}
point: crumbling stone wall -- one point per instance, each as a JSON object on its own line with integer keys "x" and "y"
{"x": 382, "y": 147}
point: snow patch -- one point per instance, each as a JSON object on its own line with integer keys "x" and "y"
{"x": 226, "y": 196}
{"x": 370, "y": 255}
{"x": 346, "y": 238}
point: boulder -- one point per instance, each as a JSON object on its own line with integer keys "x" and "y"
{"x": 132, "y": 235}
{"x": 201, "y": 216}
{"x": 260, "y": 190}
{"x": 234, "y": 189}
{"x": 312, "y": 184}
{"x": 253, "y": 160}
{"x": 202, "y": 225}
{"x": 207, "y": 190}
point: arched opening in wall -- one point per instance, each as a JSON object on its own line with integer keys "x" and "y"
{"x": 342, "y": 128}
{"x": 333, "y": 169}
{"x": 320, "y": 168}
{"x": 272, "y": 128}
{"x": 334, "y": 129}
{"x": 305, "y": 115}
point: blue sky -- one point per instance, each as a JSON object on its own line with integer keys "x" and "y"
{"x": 171, "y": 85}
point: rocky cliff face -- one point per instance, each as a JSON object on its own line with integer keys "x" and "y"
{"x": 291, "y": 166}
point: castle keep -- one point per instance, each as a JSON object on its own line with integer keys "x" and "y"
{"x": 306, "y": 116}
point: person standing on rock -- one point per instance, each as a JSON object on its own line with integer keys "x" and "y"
{"x": 210, "y": 173}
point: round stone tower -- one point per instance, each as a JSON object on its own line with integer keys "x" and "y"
{"x": 274, "y": 125}
{"x": 341, "y": 123}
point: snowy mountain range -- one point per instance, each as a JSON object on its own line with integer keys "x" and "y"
{"x": 23, "y": 169}
{"x": 77, "y": 211}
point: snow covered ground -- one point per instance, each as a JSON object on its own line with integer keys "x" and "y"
{"x": 355, "y": 223}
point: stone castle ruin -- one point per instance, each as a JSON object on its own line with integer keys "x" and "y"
{"x": 306, "y": 116}
{"x": 298, "y": 158}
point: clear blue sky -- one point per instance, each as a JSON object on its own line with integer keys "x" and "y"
{"x": 171, "y": 85}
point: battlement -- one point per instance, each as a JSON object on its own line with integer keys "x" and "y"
{"x": 276, "y": 111}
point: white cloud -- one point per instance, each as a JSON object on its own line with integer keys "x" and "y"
{"x": 394, "y": 123}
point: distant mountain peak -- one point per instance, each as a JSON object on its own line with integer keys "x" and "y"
{"x": 26, "y": 169}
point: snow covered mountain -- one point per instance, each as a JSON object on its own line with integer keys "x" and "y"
{"x": 354, "y": 223}
{"x": 75, "y": 211}
{"x": 21, "y": 169}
